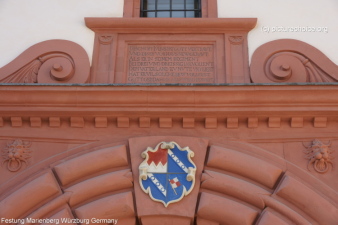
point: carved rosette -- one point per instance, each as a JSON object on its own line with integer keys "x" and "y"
{"x": 236, "y": 40}
{"x": 15, "y": 154}
{"x": 291, "y": 61}
{"x": 105, "y": 39}
{"x": 319, "y": 156}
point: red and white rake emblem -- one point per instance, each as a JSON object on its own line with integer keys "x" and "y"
{"x": 174, "y": 184}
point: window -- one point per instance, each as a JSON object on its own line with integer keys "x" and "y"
{"x": 171, "y": 8}
{"x": 134, "y": 8}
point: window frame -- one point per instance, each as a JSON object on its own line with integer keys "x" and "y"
{"x": 132, "y": 8}
{"x": 197, "y": 11}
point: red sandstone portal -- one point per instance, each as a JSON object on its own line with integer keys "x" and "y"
{"x": 264, "y": 154}
{"x": 83, "y": 150}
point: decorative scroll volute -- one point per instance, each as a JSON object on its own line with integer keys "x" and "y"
{"x": 53, "y": 61}
{"x": 291, "y": 61}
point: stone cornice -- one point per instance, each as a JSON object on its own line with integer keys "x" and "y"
{"x": 147, "y": 25}
{"x": 231, "y": 99}
{"x": 162, "y": 106}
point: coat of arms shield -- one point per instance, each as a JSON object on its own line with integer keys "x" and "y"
{"x": 168, "y": 173}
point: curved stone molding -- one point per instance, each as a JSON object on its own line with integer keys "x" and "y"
{"x": 300, "y": 195}
{"x": 233, "y": 175}
{"x": 29, "y": 196}
{"x": 268, "y": 217}
{"x": 117, "y": 206}
{"x": 53, "y": 61}
{"x": 98, "y": 189}
{"x": 235, "y": 187}
{"x": 288, "y": 60}
{"x": 15, "y": 154}
{"x": 285, "y": 210}
{"x": 200, "y": 221}
{"x": 244, "y": 165}
{"x": 319, "y": 156}
{"x": 228, "y": 193}
{"x": 96, "y": 161}
{"x": 225, "y": 211}
{"x": 99, "y": 185}
{"x": 154, "y": 220}
{"x": 51, "y": 206}
{"x": 64, "y": 214}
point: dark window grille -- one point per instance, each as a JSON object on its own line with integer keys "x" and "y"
{"x": 171, "y": 8}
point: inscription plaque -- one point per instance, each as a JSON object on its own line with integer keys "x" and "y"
{"x": 171, "y": 64}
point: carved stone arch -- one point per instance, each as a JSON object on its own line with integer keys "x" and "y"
{"x": 243, "y": 184}
{"x": 240, "y": 184}
{"x": 77, "y": 187}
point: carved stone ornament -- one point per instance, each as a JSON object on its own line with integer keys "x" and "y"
{"x": 319, "y": 156}
{"x": 53, "y": 61}
{"x": 168, "y": 173}
{"x": 105, "y": 39}
{"x": 236, "y": 40}
{"x": 15, "y": 154}
{"x": 291, "y": 61}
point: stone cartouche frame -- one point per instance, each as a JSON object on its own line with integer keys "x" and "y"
{"x": 224, "y": 61}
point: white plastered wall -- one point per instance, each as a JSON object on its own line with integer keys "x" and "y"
{"x": 284, "y": 17}
{"x": 24, "y": 23}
